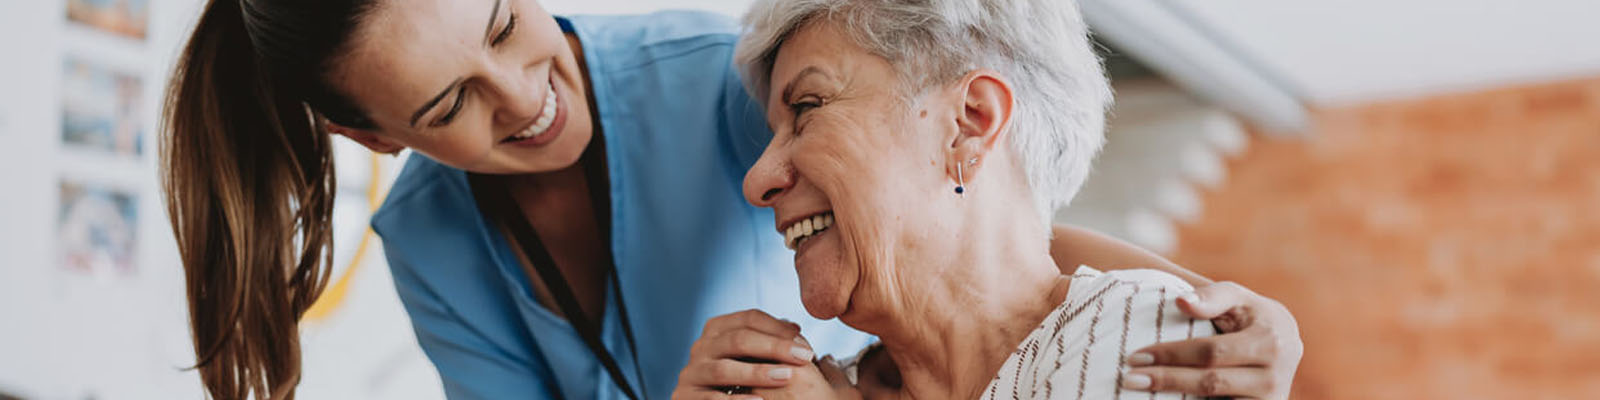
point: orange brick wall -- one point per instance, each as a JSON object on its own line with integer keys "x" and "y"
{"x": 1441, "y": 248}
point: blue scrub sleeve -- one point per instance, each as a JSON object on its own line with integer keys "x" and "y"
{"x": 470, "y": 367}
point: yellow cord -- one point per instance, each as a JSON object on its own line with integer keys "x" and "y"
{"x": 334, "y": 296}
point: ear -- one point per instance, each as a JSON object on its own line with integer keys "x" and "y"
{"x": 987, "y": 104}
{"x": 373, "y": 141}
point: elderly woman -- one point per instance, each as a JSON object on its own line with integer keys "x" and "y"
{"x": 920, "y": 150}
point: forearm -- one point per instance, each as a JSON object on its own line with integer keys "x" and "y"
{"x": 1073, "y": 246}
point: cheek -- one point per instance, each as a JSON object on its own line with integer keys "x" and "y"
{"x": 462, "y": 146}
{"x": 867, "y": 175}
{"x": 865, "y": 168}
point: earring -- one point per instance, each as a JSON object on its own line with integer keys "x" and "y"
{"x": 961, "y": 182}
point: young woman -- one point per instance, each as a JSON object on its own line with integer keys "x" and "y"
{"x": 571, "y": 220}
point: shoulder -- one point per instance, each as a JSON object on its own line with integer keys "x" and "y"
{"x": 1089, "y": 285}
{"x": 1138, "y": 302}
{"x": 1106, "y": 317}
{"x": 428, "y": 213}
{"x": 630, "y": 41}
{"x": 421, "y": 180}
{"x": 437, "y": 245}
{"x": 687, "y": 55}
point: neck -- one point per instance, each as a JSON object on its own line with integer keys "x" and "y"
{"x": 994, "y": 293}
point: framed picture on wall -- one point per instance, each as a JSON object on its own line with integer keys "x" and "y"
{"x": 101, "y": 108}
{"x": 126, "y": 18}
{"x": 97, "y": 229}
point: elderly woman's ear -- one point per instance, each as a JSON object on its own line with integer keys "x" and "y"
{"x": 981, "y": 124}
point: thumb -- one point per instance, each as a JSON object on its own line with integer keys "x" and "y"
{"x": 842, "y": 387}
{"x": 830, "y": 371}
{"x": 1214, "y": 300}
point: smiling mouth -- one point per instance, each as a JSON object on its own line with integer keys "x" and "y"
{"x": 805, "y": 229}
{"x": 547, "y": 116}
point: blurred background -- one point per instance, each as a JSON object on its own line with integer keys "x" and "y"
{"x": 1415, "y": 179}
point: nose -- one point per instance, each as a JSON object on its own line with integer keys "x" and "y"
{"x": 520, "y": 92}
{"x": 770, "y": 178}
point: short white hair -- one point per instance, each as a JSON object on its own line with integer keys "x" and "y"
{"x": 1042, "y": 46}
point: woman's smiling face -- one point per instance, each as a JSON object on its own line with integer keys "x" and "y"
{"x": 488, "y": 86}
{"x": 853, "y": 164}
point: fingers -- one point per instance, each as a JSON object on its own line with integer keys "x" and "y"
{"x": 725, "y": 373}
{"x": 832, "y": 373}
{"x": 1246, "y": 382}
{"x": 752, "y": 334}
{"x": 745, "y": 349}
{"x": 685, "y": 393}
{"x": 752, "y": 319}
{"x": 1255, "y": 356}
{"x": 1240, "y": 349}
{"x": 756, "y": 346}
{"x": 1214, "y": 300}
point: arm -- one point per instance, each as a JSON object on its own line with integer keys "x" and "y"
{"x": 1072, "y": 246}
{"x": 470, "y": 366}
{"x": 1256, "y": 355}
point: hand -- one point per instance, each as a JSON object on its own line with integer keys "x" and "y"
{"x": 1254, "y": 358}
{"x": 822, "y": 380}
{"x": 746, "y": 349}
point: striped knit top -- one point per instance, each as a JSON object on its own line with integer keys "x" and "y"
{"x": 1078, "y": 350}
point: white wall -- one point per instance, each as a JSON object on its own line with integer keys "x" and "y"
{"x": 1338, "y": 52}
{"x": 62, "y": 334}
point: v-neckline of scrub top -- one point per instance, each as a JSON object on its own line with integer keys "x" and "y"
{"x": 536, "y": 313}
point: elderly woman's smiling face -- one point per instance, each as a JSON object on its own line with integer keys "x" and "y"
{"x": 856, "y": 171}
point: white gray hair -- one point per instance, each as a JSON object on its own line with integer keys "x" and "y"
{"x": 1042, "y": 46}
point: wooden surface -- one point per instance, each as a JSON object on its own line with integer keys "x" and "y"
{"x": 1438, "y": 248}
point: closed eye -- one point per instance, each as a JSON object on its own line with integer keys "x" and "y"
{"x": 807, "y": 103}
{"x": 455, "y": 108}
{"x": 511, "y": 26}
{"x": 799, "y": 108}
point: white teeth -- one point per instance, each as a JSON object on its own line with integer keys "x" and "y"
{"x": 547, "y": 115}
{"x": 806, "y": 228}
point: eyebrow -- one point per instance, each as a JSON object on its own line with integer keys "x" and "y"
{"x": 488, "y": 30}
{"x": 788, "y": 89}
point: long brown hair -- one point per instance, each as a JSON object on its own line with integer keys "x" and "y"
{"x": 249, "y": 182}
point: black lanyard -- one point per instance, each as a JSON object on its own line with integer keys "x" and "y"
{"x": 495, "y": 200}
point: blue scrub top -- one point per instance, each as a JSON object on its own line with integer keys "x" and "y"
{"x": 680, "y": 132}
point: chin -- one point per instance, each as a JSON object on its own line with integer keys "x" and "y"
{"x": 823, "y": 304}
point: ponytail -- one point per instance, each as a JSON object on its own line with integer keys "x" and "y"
{"x": 249, "y": 183}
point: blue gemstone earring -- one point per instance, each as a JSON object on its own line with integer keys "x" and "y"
{"x": 961, "y": 184}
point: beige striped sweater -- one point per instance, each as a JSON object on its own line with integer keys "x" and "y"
{"x": 1078, "y": 350}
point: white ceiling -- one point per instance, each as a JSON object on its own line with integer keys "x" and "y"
{"x": 1346, "y": 51}
{"x": 1361, "y": 50}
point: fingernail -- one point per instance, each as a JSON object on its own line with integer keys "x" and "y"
{"x": 1191, "y": 298}
{"x": 1141, "y": 359}
{"x": 800, "y": 353}
{"x": 780, "y": 374}
{"x": 802, "y": 341}
{"x": 1136, "y": 381}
